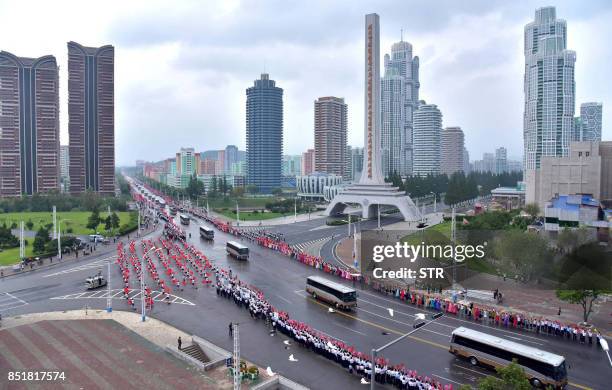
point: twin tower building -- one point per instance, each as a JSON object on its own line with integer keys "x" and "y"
{"x": 29, "y": 122}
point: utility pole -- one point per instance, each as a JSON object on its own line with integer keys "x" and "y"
{"x": 453, "y": 238}
{"x": 237, "y": 376}
{"x": 142, "y": 289}
{"x": 21, "y": 242}
{"x": 59, "y": 244}
{"x": 237, "y": 214}
{"x": 349, "y": 224}
{"x": 109, "y": 305}
{"x": 54, "y": 222}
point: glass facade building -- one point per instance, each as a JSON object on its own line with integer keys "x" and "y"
{"x": 264, "y": 134}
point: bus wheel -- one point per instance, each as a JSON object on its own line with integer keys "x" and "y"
{"x": 535, "y": 382}
{"x": 473, "y": 361}
{"x": 314, "y": 295}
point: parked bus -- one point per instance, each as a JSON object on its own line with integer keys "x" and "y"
{"x": 184, "y": 219}
{"x": 337, "y": 294}
{"x": 237, "y": 250}
{"x": 542, "y": 368}
{"x": 207, "y": 233}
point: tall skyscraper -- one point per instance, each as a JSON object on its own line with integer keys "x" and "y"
{"x": 451, "y": 150}
{"x": 292, "y": 165}
{"x": 29, "y": 125}
{"x": 549, "y": 89}
{"x": 231, "y": 157}
{"x": 264, "y": 133}
{"x": 91, "y": 118}
{"x": 330, "y": 123}
{"x": 356, "y": 163}
{"x": 186, "y": 162}
{"x": 501, "y": 160}
{"x": 590, "y": 118}
{"x": 308, "y": 162}
{"x": 401, "y": 64}
{"x": 466, "y": 161}
{"x": 427, "y": 122}
{"x": 393, "y": 120}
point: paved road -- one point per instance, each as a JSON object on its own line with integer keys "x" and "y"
{"x": 282, "y": 281}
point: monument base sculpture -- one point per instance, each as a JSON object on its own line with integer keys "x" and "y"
{"x": 372, "y": 196}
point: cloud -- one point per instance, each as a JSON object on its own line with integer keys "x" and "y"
{"x": 182, "y": 67}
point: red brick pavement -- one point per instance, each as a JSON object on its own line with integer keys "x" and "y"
{"x": 94, "y": 354}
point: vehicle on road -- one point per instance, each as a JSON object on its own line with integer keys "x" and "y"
{"x": 184, "y": 219}
{"x": 173, "y": 210}
{"x": 336, "y": 294}
{"x": 207, "y": 233}
{"x": 98, "y": 238}
{"x": 237, "y": 250}
{"x": 94, "y": 282}
{"x": 542, "y": 368}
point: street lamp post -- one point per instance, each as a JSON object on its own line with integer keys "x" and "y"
{"x": 237, "y": 214}
{"x": 378, "y": 212}
{"x": 416, "y": 325}
{"x": 435, "y": 200}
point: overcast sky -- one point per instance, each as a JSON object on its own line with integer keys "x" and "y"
{"x": 182, "y": 67}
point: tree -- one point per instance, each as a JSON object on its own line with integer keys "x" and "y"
{"x": 108, "y": 223}
{"x": 584, "y": 298}
{"x": 252, "y": 189}
{"x": 277, "y": 191}
{"x": 532, "y": 209}
{"x": 115, "y": 221}
{"x": 195, "y": 187}
{"x": 511, "y": 377}
{"x": 94, "y": 220}
{"x": 238, "y": 192}
{"x": 570, "y": 239}
{"x": 29, "y": 224}
{"x": 525, "y": 252}
{"x": 40, "y": 240}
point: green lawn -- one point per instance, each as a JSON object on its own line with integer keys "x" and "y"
{"x": 432, "y": 232}
{"x": 248, "y": 216}
{"x": 11, "y": 256}
{"x": 220, "y": 202}
{"x": 76, "y": 220}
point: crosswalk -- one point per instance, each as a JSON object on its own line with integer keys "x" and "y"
{"x": 95, "y": 264}
{"x": 9, "y": 301}
{"x": 302, "y": 246}
{"x": 135, "y": 294}
{"x": 482, "y": 295}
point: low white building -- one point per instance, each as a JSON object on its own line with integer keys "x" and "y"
{"x": 312, "y": 186}
{"x": 572, "y": 211}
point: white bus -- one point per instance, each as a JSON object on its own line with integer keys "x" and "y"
{"x": 337, "y": 294}
{"x": 184, "y": 219}
{"x": 207, "y": 233}
{"x": 237, "y": 250}
{"x": 542, "y": 368}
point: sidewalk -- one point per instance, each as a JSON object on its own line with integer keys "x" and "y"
{"x": 518, "y": 297}
{"x": 289, "y": 219}
{"x": 101, "y": 249}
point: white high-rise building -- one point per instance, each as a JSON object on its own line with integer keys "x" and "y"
{"x": 590, "y": 121}
{"x": 393, "y": 119}
{"x": 400, "y": 64}
{"x": 549, "y": 90}
{"x": 501, "y": 160}
{"x": 427, "y": 129}
{"x": 452, "y": 150}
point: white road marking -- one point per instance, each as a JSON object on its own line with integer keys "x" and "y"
{"x": 446, "y": 379}
{"x": 11, "y": 301}
{"x": 95, "y": 264}
{"x": 284, "y": 299}
{"x": 457, "y": 319}
{"x": 115, "y": 292}
{"x": 352, "y": 330}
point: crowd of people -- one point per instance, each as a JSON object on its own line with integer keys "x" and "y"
{"x": 231, "y": 287}
{"x": 435, "y": 301}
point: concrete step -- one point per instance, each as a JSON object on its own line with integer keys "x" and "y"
{"x": 195, "y": 352}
